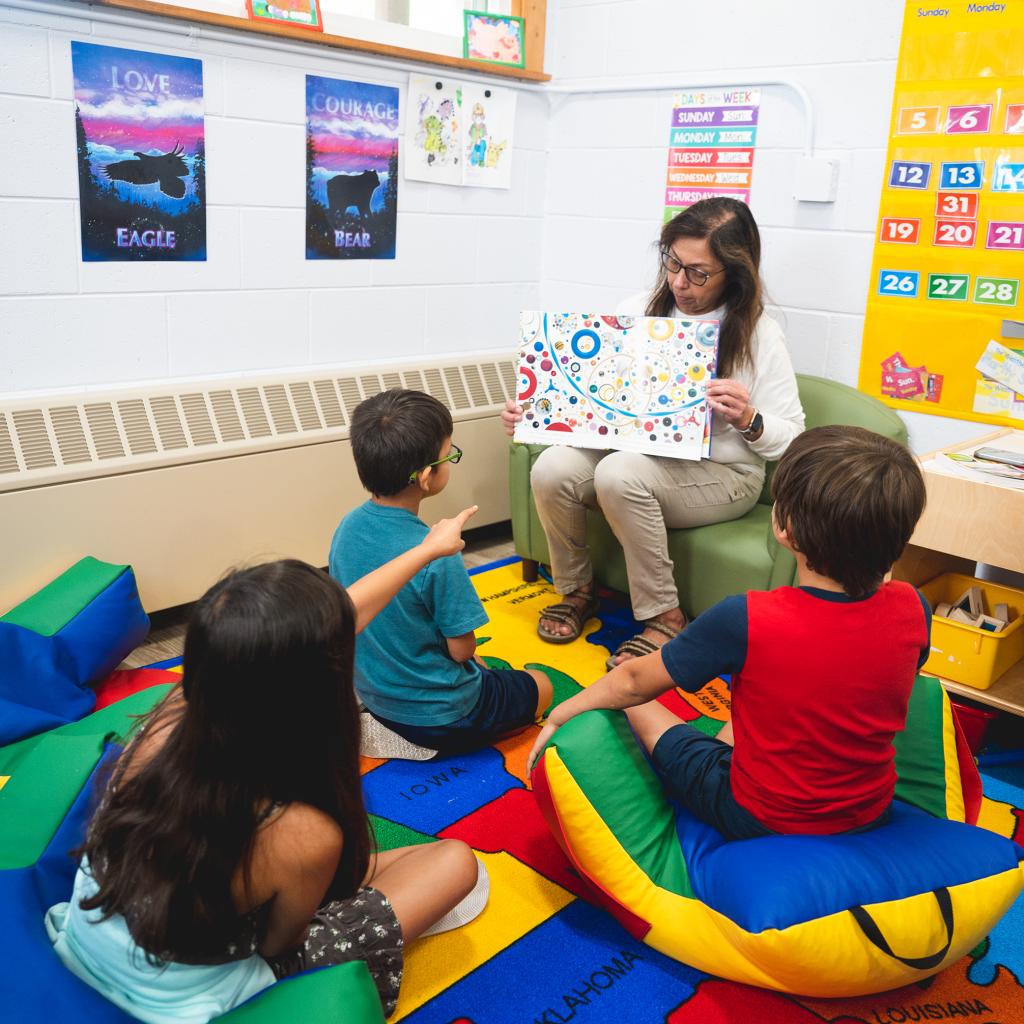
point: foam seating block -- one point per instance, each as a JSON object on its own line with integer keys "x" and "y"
{"x": 824, "y": 916}
{"x": 70, "y": 634}
{"x": 35, "y": 987}
{"x": 43, "y": 775}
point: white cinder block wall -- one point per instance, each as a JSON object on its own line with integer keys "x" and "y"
{"x": 576, "y": 230}
{"x": 467, "y": 258}
{"x": 607, "y": 156}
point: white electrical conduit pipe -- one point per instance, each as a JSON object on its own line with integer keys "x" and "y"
{"x": 195, "y": 33}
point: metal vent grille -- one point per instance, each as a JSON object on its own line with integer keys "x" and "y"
{"x": 350, "y": 394}
{"x": 34, "y": 439}
{"x": 455, "y": 387}
{"x": 67, "y": 426}
{"x": 475, "y": 383}
{"x": 136, "y": 426}
{"x": 329, "y": 404}
{"x": 435, "y": 386}
{"x": 103, "y": 427}
{"x": 256, "y": 421}
{"x": 508, "y": 378}
{"x": 370, "y": 385}
{"x": 168, "y": 422}
{"x": 101, "y": 434}
{"x": 302, "y": 399}
{"x": 200, "y": 428}
{"x": 280, "y": 410}
{"x": 413, "y": 379}
{"x": 493, "y": 382}
{"x": 8, "y": 457}
{"x": 228, "y": 423}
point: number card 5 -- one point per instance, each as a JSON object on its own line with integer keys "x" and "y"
{"x": 959, "y": 233}
{"x": 902, "y": 283}
{"x": 918, "y": 120}
{"x": 899, "y": 229}
{"x": 906, "y": 174}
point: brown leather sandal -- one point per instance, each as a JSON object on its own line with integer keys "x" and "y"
{"x": 639, "y": 645}
{"x": 570, "y": 613}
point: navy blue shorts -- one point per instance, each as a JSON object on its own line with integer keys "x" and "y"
{"x": 695, "y": 769}
{"x": 507, "y": 703}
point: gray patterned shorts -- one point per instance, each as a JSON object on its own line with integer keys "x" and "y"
{"x": 363, "y": 927}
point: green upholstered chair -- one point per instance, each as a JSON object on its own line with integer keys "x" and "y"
{"x": 711, "y": 562}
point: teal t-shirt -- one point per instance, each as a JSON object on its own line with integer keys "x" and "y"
{"x": 403, "y": 669}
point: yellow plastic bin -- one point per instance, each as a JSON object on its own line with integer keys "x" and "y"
{"x": 967, "y": 654}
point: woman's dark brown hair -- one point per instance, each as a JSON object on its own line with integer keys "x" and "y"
{"x": 735, "y": 242}
{"x": 269, "y": 717}
{"x": 849, "y": 500}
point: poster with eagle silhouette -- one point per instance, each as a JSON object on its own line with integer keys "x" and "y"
{"x": 351, "y": 170}
{"x": 141, "y": 156}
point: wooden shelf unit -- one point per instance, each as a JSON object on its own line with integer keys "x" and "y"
{"x": 967, "y": 521}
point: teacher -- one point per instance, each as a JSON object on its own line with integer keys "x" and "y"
{"x": 710, "y": 259}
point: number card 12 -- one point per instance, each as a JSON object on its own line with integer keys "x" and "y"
{"x": 908, "y": 174}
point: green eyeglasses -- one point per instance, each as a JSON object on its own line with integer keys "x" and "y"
{"x": 453, "y": 457}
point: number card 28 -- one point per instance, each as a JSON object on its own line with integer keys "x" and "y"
{"x": 996, "y": 291}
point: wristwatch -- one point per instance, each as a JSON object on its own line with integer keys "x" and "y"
{"x": 754, "y": 428}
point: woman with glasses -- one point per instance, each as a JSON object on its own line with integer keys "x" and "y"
{"x": 710, "y": 257}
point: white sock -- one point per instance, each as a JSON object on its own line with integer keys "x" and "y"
{"x": 377, "y": 740}
{"x": 469, "y": 907}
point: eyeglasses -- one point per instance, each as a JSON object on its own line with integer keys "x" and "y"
{"x": 454, "y": 457}
{"x": 693, "y": 274}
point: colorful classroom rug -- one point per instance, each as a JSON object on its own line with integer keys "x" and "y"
{"x": 539, "y": 954}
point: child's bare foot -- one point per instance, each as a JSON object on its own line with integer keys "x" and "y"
{"x": 563, "y": 622}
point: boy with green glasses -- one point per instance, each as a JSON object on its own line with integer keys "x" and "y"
{"x": 416, "y": 666}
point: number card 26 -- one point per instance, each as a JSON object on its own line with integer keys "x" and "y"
{"x": 902, "y": 283}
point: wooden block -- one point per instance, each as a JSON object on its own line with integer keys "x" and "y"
{"x": 959, "y": 615}
{"x": 943, "y": 609}
{"x": 1002, "y": 612}
{"x": 972, "y": 601}
{"x": 990, "y": 623}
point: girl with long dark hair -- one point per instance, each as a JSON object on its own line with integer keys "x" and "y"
{"x": 231, "y": 846}
{"x": 710, "y": 257}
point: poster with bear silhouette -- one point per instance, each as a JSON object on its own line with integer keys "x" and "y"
{"x": 139, "y": 132}
{"x": 351, "y": 170}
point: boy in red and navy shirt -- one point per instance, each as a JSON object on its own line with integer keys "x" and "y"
{"x": 821, "y": 672}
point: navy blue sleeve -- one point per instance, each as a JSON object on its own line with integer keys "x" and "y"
{"x": 714, "y": 644}
{"x": 927, "y": 649}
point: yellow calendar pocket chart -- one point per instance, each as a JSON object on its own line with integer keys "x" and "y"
{"x": 945, "y": 290}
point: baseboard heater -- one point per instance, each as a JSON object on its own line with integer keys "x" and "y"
{"x": 185, "y": 480}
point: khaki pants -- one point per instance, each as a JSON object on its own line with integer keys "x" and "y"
{"x": 640, "y": 496}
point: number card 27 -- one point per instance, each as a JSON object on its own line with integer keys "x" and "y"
{"x": 948, "y": 286}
